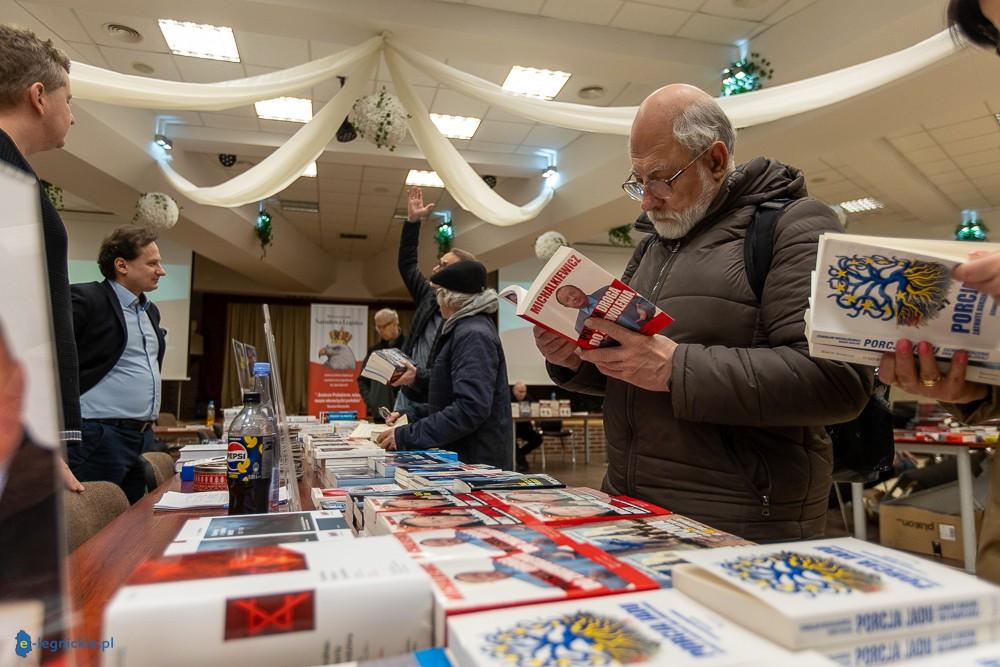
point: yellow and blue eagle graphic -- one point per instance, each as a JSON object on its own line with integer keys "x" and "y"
{"x": 580, "y": 638}
{"x": 801, "y": 574}
{"x": 907, "y": 291}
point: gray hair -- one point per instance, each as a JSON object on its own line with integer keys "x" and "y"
{"x": 454, "y": 300}
{"x": 386, "y": 315}
{"x": 703, "y": 123}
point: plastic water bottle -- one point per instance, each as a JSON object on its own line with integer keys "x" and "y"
{"x": 250, "y": 457}
{"x": 210, "y": 415}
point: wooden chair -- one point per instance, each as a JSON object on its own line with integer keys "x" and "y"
{"x": 86, "y": 513}
{"x": 166, "y": 419}
{"x": 162, "y": 467}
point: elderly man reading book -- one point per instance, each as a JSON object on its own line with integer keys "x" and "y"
{"x": 721, "y": 416}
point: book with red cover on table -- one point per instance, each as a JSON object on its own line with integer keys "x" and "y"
{"x": 571, "y": 288}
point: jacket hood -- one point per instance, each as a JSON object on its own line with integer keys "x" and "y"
{"x": 750, "y": 184}
{"x": 486, "y": 302}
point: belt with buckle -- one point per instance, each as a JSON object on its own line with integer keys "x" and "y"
{"x": 129, "y": 424}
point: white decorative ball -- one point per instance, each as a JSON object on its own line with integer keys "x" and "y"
{"x": 156, "y": 211}
{"x": 380, "y": 118}
{"x": 548, "y": 243}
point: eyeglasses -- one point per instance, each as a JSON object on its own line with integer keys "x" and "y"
{"x": 658, "y": 187}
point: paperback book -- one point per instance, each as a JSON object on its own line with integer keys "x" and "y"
{"x": 417, "y": 500}
{"x": 571, "y": 288}
{"x": 920, "y": 646}
{"x": 306, "y": 604}
{"x": 823, "y": 593}
{"x": 385, "y": 366}
{"x": 401, "y": 522}
{"x": 569, "y": 506}
{"x": 507, "y": 481}
{"x": 654, "y": 545}
{"x": 481, "y": 542}
{"x": 253, "y": 530}
{"x": 473, "y": 584}
{"x": 868, "y": 292}
{"x": 653, "y": 627}
{"x": 386, "y": 467}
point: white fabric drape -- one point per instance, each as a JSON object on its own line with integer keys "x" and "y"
{"x": 583, "y": 117}
{"x": 465, "y": 186}
{"x": 279, "y": 169}
{"x": 101, "y": 85}
{"x": 744, "y": 110}
{"x": 286, "y": 164}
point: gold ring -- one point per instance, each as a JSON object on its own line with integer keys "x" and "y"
{"x": 931, "y": 382}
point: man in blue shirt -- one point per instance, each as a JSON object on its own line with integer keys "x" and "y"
{"x": 121, "y": 346}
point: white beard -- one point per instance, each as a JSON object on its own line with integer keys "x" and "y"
{"x": 677, "y": 224}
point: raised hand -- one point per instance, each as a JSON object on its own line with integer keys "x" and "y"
{"x": 415, "y": 207}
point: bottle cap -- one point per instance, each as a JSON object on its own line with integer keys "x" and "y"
{"x": 251, "y": 397}
{"x": 262, "y": 368}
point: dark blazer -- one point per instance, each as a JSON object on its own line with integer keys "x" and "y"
{"x": 469, "y": 397}
{"x": 100, "y": 330}
{"x": 56, "y": 249}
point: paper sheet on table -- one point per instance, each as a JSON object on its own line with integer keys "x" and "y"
{"x": 174, "y": 500}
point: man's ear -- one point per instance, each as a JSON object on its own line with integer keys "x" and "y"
{"x": 121, "y": 266}
{"x": 719, "y": 157}
{"x": 36, "y": 97}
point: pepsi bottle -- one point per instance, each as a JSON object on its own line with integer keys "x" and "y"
{"x": 250, "y": 457}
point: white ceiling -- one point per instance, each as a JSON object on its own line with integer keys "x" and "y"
{"x": 923, "y": 161}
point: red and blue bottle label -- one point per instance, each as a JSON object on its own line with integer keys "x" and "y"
{"x": 249, "y": 457}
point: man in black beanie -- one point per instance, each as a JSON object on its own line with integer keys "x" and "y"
{"x": 469, "y": 404}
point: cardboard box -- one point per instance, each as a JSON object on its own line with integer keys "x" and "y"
{"x": 929, "y": 522}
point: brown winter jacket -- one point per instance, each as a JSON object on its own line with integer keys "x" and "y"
{"x": 738, "y": 442}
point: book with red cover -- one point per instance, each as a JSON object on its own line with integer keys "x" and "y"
{"x": 571, "y": 288}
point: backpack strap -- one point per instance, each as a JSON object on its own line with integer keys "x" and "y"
{"x": 758, "y": 244}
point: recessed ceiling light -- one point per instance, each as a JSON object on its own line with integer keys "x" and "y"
{"x": 456, "y": 127}
{"x": 591, "y": 92}
{"x": 861, "y": 205}
{"x": 123, "y": 33}
{"x": 142, "y": 68}
{"x": 310, "y": 170}
{"x": 532, "y": 82}
{"x": 426, "y": 179}
{"x": 997, "y": 116}
{"x": 294, "y": 109}
{"x": 200, "y": 40}
{"x": 295, "y": 206}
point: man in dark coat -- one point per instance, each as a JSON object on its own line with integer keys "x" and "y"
{"x": 427, "y": 318}
{"x": 35, "y": 116}
{"x": 469, "y": 399}
{"x": 720, "y": 418}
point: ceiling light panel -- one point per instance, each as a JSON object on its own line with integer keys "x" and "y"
{"x": 295, "y": 109}
{"x": 532, "y": 82}
{"x": 200, "y": 40}
{"x": 425, "y": 179}
{"x": 861, "y": 205}
{"x": 456, "y": 127}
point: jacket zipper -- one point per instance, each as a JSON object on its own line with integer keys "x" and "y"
{"x": 673, "y": 248}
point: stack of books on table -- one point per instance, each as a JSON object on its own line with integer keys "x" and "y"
{"x": 385, "y": 366}
{"x": 386, "y": 467}
{"x": 869, "y": 292}
{"x": 251, "y": 530}
{"x": 855, "y": 602}
{"x": 308, "y": 603}
{"x": 206, "y": 450}
{"x": 422, "y": 510}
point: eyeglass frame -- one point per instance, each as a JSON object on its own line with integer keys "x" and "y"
{"x": 668, "y": 181}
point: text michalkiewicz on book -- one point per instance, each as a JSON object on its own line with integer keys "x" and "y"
{"x": 572, "y": 288}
